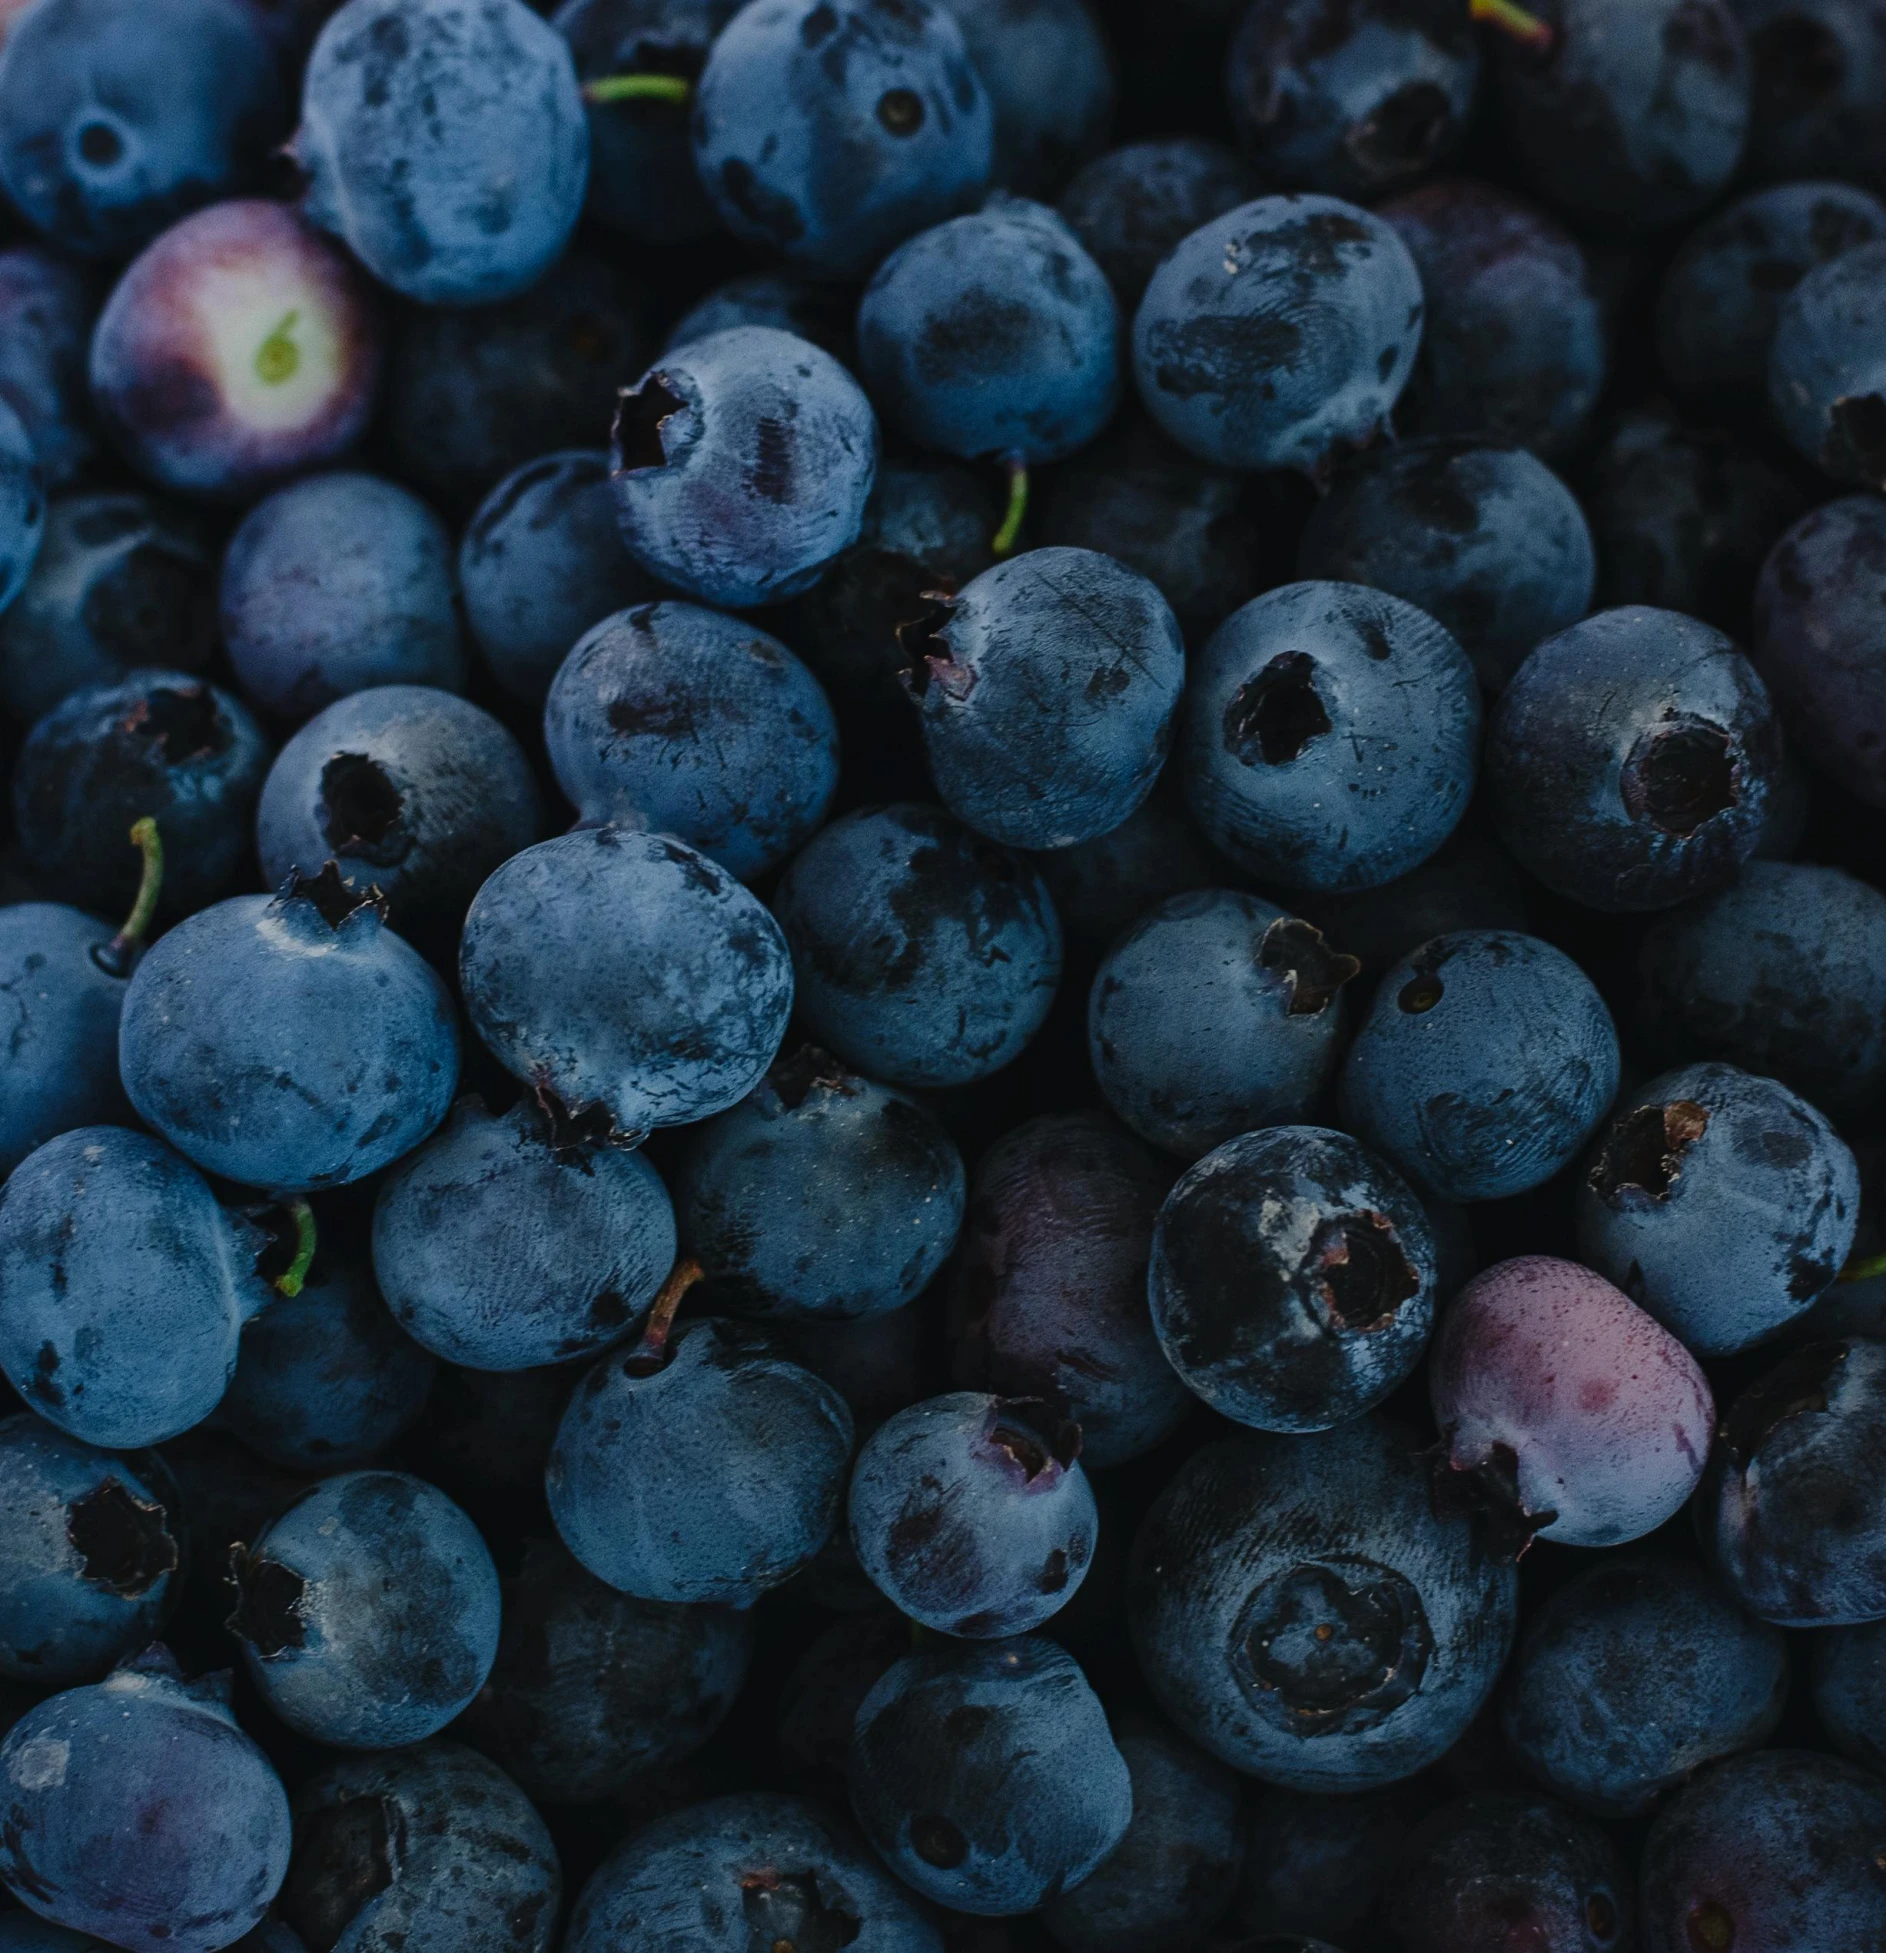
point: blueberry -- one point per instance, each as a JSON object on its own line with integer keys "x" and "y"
{"x": 1351, "y": 100}
{"x": 1047, "y": 691}
{"x": 445, "y": 141}
{"x": 754, "y": 1870}
{"x": 987, "y": 1777}
{"x": 540, "y": 562}
{"x": 809, "y": 308}
{"x": 1050, "y": 78}
{"x": 742, "y": 465}
{"x": 22, "y": 505}
{"x": 1317, "y": 1864}
{"x": 117, "y": 118}
{"x": 1301, "y": 1609}
{"x": 629, "y": 976}
{"x": 923, "y": 954}
{"x": 1847, "y": 1691}
{"x": 46, "y": 311}
{"x": 830, "y": 130}
{"x": 1102, "y": 885}
{"x": 1632, "y": 1675}
{"x": 1486, "y": 1061}
{"x": 1280, "y": 334}
{"x": 1818, "y": 72}
{"x": 1287, "y": 765}
{"x": 695, "y": 724}
{"x": 1487, "y": 540}
{"x": 1826, "y": 376}
{"x": 368, "y": 1611}
{"x": 136, "y": 1807}
{"x": 430, "y": 1850}
{"x": 1721, "y": 1202}
{"x": 821, "y": 1196}
{"x": 336, "y": 583}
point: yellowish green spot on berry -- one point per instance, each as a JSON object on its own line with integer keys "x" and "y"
{"x": 278, "y": 356}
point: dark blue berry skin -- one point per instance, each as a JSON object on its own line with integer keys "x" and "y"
{"x": 820, "y": 1196}
{"x": 20, "y": 1932}
{"x": 987, "y": 1777}
{"x": 1826, "y": 375}
{"x": 122, "y": 583}
{"x": 1819, "y": 66}
{"x": 326, "y": 1379}
{"x": 432, "y": 1850}
{"x": 1047, "y": 692}
{"x": 1486, "y": 1061}
{"x": 46, "y": 310}
{"x": 1287, "y": 759}
{"x": 1636, "y": 115}
{"x": 446, "y": 144}
{"x": 1782, "y": 973}
{"x": 410, "y": 790}
{"x": 136, "y": 1807}
{"x": 693, "y": 723}
{"x": 1632, "y": 761}
{"x": 1487, "y": 540}
{"x": 1173, "y": 1875}
{"x": 1280, "y": 334}
{"x": 756, "y": 1869}
{"x": 158, "y": 743}
{"x": 993, "y": 334}
{"x": 831, "y": 132}
{"x": 971, "y": 1514}
{"x": 89, "y": 1570}
{"x": 1355, "y": 101}
{"x": 22, "y": 504}
{"x": 628, "y": 975}
{"x": 1104, "y": 884}
{"x": 1850, "y": 1691}
{"x": 710, "y": 1472}
{"x": 510, "y": 1242}
{"x": 117, "y": 119}
{"x": 368, "y": 1611}
{"x": 1720, "y": 1202}
{"x": 1259, "y": 1541}
{"x": 336, "y": 583}
{"x": 1771, "y": 1853}
{"x": 289, "y": 1042}
{"x": 1791, "y": 1511}
{"x": 540, "y": 562}
{"x": 819, "y": 1700}
{"x": 807, "y": 307}
{"x": 742, "y": 464}
{"x": 127, "y": 1287}
{"x": 1631, "y": 1676}
{"x": 1049, "y": 72}
{"x": 1316, "y": 1865}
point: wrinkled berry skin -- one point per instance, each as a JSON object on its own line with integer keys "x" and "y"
{"x": 308, "y": 987}
{"x": 368, "y": 1611}
{"x": 1292, "y": 1279}
{"x": 592, "y": 1687}
{"x": 1721, "y": 1202}
{"x": 425, "y": 1850}
{"x": 993, "y": 335}
{"x": 1486, "y": 1061}
{"x": 1819, "y": 66}
{"x": 118, "y": 118}
{"x": 144, "y": 1756}
{"x": 1634, "y": 1674}
{"x": 741, "y": 465}
{"x": 1051, "y": 1283}
{"x": 969, "y": 1518}
{"x": 89, "y": 1569}
{"x": 1848, "y": 1693}
{"x": 1316, "y": 1865}
{"x": 46, "y": 311}
{"x": 713, "y": 1477}
{"x": 756, "y": 1869}
{"x": 1050, "y": 75}
{"x": 1257, "y": 1544}
{"x": 830, "y": 133}
{"x": 627, "y": 974}
{"x": 821, "y": 1196}
{"x": 1487, "y": 540}
{"x": 1559, "y": 1395}
{"x": 446, "y": 143}
{"x": 1826, "y": 375}
{"x": 924, "y": 955}
{"x": 1280, "y": 334}
{"x": 1637, "y": 114}
{"x": 1047, "y": 691}
{"x": 987, "y": 1777}
{"x": 1633, "y": 760}
{"x": 510, "y": 1242}
{"x": 1771, "y": 1853}
{"x": 1103, "y": 885}
{"x": 695, "y": 724}
{"x": 22, "y": 505}
{"x": 126, "y": 1284}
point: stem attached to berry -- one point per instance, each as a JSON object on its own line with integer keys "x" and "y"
{"x": 639, "y": 88}
{"x": 290, "y": 1280}
{"x": 1528, "y": 29}
{"x": 1009, "y": 534}
{"x": 1862, "y": 1268}
{"x": 651, "y": 1351}
{"x": 117, "y": 956}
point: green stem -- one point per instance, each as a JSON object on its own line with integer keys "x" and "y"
{"x": 290, "y": 1280}
{"x": 117, "y": 956}
{"x": 1863, "y": 1268}
{"x": 1009, "y": 534}
{"x": 1528, "y": 29}
{"x": 651, "y": 1351}
{"x": 639, "y": 88}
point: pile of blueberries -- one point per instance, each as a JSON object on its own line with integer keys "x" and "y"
{"x": 943, "y": 976}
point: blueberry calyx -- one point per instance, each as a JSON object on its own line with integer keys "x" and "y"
{"x": 1315, "y": 972}
{"x": 267, "y": 1614}
{"x": 571, "y": 1132}
{"x": 1275, "y": 716}
{"x": 1488, "y": 1494}
{"x": 124, "y": 1543}
{"x": 335, "y": 900}
{"x": 1681, "y": 774}
{"x": 1362, "y": 1275}
{"x": 785, "y": 1913}
{"x": 1035, "y": 1437}
{"x": 183, "y": 721}
{"x": 929, "y": 659}
{"x": 1644, "y": 1152}
{"x": 641, "y": 414}
{"x": 1796, "y": 1388}
{"x": 360, "y": 811}
{"x": 793, "y": 1080}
